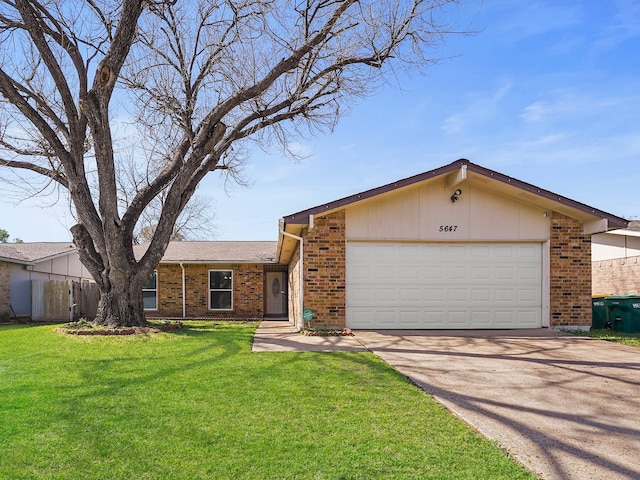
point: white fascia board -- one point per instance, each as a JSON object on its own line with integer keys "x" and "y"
{"x": 456, "y": 178}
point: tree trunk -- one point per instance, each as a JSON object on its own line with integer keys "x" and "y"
{"x": 121, "y": 306}
{"x": 119, "y": 277}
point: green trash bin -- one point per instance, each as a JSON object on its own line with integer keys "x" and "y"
{"x": 624, "y": 313}
{"x": 599, "y": 313}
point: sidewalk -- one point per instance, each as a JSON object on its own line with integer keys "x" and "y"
{"x": 282, "y": 336}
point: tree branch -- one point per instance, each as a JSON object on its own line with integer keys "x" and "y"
{"x": 52, "y": 174}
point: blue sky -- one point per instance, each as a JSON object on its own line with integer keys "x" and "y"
{"x": 547, "y": 92}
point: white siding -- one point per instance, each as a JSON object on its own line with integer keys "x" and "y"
{"x": 417, "y": 214}
{"x": 609, "y": 246}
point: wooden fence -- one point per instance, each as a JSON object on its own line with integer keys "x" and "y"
{"x": 58, "y": 300}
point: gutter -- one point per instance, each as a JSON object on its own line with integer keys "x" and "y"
{"x": 17, "y": 261}
{"x": 184, "y": 300}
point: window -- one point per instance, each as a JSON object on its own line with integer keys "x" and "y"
{"x": 220, "y": 289}
{"x": 150, "y": 292}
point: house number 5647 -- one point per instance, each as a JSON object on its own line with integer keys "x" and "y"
{"x": 448, "y": 228}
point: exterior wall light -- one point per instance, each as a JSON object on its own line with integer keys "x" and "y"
{"x": 455, "y": 195}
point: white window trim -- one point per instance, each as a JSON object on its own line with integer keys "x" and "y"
{"x": 209, "y": 289}
{"x": 152, "y": 290}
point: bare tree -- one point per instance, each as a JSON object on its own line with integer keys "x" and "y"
{"x": 195, "y": 222}
{"x": 187, "y": 85}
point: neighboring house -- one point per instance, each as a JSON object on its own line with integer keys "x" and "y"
{"x": 616, "y": 261}
{"x": 217, "y": 280}
{"x": 458, "y": 247}
{"x": 36, "y": 281}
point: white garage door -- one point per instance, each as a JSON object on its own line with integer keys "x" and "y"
{"x": 457, "y": 286}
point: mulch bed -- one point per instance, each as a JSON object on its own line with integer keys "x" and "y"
{"x": 328, "y": 332}
{"x": 119, "y": 331}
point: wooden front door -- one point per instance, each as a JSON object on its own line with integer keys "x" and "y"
{"x": 275, "y": 294}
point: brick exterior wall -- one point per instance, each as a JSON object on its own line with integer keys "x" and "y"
{"x": 570, "y": 273}
{"x": 324, "y": 270}
{"x": 620, "y": 276}
{"x": 5, "y": 291}
{"x": 247, "y": 291}
{"x": 569, "y": 282}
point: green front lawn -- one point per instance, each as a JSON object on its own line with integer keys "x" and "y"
{"x": 197, "y": 404}
{"x": 631, "y": 339}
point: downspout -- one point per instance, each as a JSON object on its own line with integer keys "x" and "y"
{"x": 184, "y": 300}
{"x": 291, "y": 235}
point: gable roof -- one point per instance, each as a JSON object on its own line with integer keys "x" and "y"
{"x": 32, "y": 253}
{"x": 510, "y": 186}
{"x": 215, "y": 252}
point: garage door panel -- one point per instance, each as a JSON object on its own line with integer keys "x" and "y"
{"x": 444, "y": 286}
{"x": 433, "y": 272}
{"x": 434, "y": 319}
{"x": 529, "y": 319}
{"x": 528, "y": 273}
{"x": 481, "y": 251}
{"x": 457, "y": 318}
{"x": 481, "y": 295}
{"x": 387, "y": 296}
{"x": 504, "y": 295}
{"x": 359, "y": 272}
{"x": 481, "y": 318}
{"x": 481, "y": 272}
{"x": 410, "y": 319}
{"x": 456, "y": 272}
{"x": 362, "y": 295}
{"x": 409, "y": 272}
{"x": 457, "y": 295}
{"x": 385, "y": 273}
{"x": 433, "y": 294}
{"x": 385, "y": 318}
{"x": 409, "y": 295}
{"x": 528, "y": 296}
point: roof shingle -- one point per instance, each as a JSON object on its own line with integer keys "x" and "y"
{"x": 33, "y": 252}
{"x": 215, "y": 252}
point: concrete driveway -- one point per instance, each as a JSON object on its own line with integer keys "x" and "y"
{"x": 566, "y": 407}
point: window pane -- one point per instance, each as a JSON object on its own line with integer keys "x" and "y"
{"x": 220, "y": 279}
{"x": 220, "y": 300}
{"x": 149, "y": 300}
{"x": 151, "y": 282}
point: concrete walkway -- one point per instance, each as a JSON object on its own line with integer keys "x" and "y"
{"x": 566, "y": 407}
{"x": 277, "y": 336}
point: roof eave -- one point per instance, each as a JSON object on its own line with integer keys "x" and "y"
{"x": 217, "y": 262}
{"x": 302, "y": 218}
{"x": 16, "y": 261}
{"x": 613, "y": 221}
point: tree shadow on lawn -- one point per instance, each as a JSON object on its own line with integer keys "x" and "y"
{"x": 113, "y": 374}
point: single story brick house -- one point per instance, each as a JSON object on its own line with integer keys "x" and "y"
{"x": 616, "y": 261}
{"x": 36, "y": 280}
{"x": 217, "y": 280}
{"x": 458, "y": 247}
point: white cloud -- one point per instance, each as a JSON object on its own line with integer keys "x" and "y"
{"x": 578, "y": 105}
{"x": 535, "y": 112}
{"x": 453, "y": 124}
{"x": 481, "y": 108}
